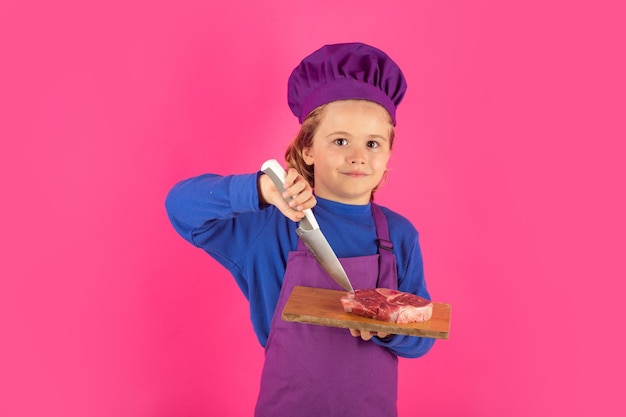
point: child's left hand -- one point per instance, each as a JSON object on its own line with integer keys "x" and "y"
{"x": 367, "y": 335}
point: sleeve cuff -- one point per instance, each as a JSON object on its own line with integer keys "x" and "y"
{"x": 244, "y": 193}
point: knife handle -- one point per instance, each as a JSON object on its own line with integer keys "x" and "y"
{"x": 277, "y": 173}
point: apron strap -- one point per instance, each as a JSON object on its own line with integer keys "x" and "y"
{"x": 386, "y": 259}
{"x": 382, "y": 230}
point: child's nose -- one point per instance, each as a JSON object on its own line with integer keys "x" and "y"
{"x": 357, "y": 157}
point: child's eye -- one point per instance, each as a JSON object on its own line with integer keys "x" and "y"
{"x": 373, "y": 144}
{"x": 341, "y": 141}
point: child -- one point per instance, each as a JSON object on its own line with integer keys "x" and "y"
{"x": 345, "y": 97}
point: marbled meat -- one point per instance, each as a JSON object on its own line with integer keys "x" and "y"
{"x": 388, "y": 305}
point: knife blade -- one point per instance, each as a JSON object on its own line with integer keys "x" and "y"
{"x": 310, "y": 232}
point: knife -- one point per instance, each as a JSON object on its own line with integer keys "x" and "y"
{"x": 309, "y": 231}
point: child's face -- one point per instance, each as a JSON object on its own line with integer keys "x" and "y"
{"x": 350, "y": 150}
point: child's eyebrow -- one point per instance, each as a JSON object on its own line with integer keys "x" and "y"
{"x": 339, "y": 132}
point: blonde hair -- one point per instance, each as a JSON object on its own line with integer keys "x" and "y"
{"x": 304, "y": 139}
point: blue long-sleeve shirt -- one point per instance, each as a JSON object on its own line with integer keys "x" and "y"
{"x": 222, "y": 215}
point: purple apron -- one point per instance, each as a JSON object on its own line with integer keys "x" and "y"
{"x": 313, "y": 370}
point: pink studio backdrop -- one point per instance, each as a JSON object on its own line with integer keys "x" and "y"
{"x": 509, "y": 161}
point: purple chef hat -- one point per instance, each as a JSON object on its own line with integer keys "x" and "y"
{"x": 345, "y": 71}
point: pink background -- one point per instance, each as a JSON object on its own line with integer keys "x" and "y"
{"x": 509, "y": 160}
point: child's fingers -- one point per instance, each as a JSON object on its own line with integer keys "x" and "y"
{"x": 367, "y": 335}
{"x": 288, "y": 211}
{"x": 298, "y": 191}
{"x": 364, "y": 334}
{"x": 298, "y": 195}
{"x": 294, "y": 183}
{"x": 303, "y": 200}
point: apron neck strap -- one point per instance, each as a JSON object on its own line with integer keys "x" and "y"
{"x": 382, "y": 230}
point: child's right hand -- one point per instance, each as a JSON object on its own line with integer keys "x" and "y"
{"x": 297, "y": 191}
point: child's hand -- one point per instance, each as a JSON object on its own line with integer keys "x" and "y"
{"x": 297, "y": 191}
{"x": 367, "y": 335}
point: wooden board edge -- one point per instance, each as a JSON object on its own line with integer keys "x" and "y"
{"x": 366, "y": 325}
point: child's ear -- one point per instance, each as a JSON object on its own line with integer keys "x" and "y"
{"x": 307, "y": 155}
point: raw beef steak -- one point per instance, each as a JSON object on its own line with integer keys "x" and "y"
{"x": 388, "y": 305}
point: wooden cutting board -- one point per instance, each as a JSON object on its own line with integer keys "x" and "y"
{"x": 323, "y": 307}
